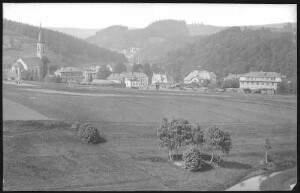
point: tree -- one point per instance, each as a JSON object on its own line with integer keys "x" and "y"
{"x": 205, "y": 83}
{"x": 217, "y": 140}
{"x": 147, "y": 70}
{"x": 45, "y": 62}
{"x": 137, "y": 68}
{"x": 103, "y": 72}
{"x": 197, "y": 136}
{"x": 53, "y": 68}
{"x": 267, "y": 147}
{"x": 119, "y": 68}
{"x": 174, "y": 134}
{"x": 231, "y": 83}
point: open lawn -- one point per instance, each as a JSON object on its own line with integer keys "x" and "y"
{"x": 46, "y": 155}
{"x": 280, "y": 182}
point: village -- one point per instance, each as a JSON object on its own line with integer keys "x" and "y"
{"x": 198, "y": 80}
{"x": 175, "y": 105}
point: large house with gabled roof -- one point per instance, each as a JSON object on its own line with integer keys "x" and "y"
{"x": 265, "y": 81}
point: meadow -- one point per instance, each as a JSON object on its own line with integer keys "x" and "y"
{"x": 46, "y": 155}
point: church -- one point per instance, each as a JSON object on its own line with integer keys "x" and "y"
{"x": 36, "y": 66}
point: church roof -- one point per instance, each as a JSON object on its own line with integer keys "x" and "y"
{"x": 40, "y": 38}
{"x": 32, "y": 61}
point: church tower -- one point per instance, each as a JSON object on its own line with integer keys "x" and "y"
{"x": 41, "y": 52}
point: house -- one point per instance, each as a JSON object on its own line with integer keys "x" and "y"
{"x": 90, "y": 73}
{"x": 199, "y": 76}
{"x": 36, "y": 66}
{"x": 159, "y": 79}
{"x": 115, "y": 77}
{"x": 131, "y": 79}
{"x": 132, "y": 82}
{"x": 7, "y": 74}
{"x": 266, "y": 82}
{"x": 70, "y": 74}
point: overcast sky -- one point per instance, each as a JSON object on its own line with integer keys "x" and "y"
{"x": 101, "y": 15}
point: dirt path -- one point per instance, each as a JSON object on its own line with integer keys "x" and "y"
{"x": 15, "y": 111}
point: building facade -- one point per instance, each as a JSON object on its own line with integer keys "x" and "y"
{"x": 160, "y": 79}
{"x": 199, "y": 76}
{"x": 70, "y": 74}
{"x": 130, "y": 79}
{"x": 267, "y": 82}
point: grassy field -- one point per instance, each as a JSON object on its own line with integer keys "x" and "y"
{"x": 46, "y": 155}
{"x": 281, "y": 181}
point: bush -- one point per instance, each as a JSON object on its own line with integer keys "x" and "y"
{"x": 179, "y": 121}
{"x": 87, "y": 133}
{"x": 193, "y": 159}
{"x": 51, "y": 78}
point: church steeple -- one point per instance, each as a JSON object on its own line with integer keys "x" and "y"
{"x": 41, "y": 52}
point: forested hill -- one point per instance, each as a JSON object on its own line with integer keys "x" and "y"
{"x": 73, "y": 51}
{"x": 120, "y": 37}
{"x": 237, "y": 51}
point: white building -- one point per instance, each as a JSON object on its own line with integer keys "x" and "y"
{"x": 159, "y": 79}
{"x": 131, "y": 79}
{"x": 264, "y": 81}
{"x": 199, "y": 76}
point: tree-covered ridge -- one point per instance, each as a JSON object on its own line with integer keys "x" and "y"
{"x": 73, "y": 50}
{"x": 120, "y": 37}
{"x": 167, "y": 28}
{"x": 237, "y": 51}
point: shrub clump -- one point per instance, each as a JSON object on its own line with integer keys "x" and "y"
{"x": 193, "y": 159}
{"x": 87, "y": 133}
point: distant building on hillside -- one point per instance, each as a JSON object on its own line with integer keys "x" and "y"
{"x": 37, "y": 66}
{"x": 131, "y": 79}
{"x": 199, "y": 76}
{"x": 266, "y": 82}
{"x": 160, "y": 79}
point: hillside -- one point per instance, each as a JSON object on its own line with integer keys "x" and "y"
{"x": 156, "y": 40}
{"x": 237, "y": 51}
{"x": 62, "y": 49}
{"x": 16, "y": 46}
{"x": 121, "y": 37}
{"x": 76, "y": 32}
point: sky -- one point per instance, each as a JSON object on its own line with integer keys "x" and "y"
{"x": 101, "y": 15}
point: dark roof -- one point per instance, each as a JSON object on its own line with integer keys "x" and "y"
{"x": 263, "y": 74}
{"x": 32, "y": 61}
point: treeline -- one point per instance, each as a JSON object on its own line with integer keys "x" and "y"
{"x": 73, "y": 50}
{"x": 237, "y": 51}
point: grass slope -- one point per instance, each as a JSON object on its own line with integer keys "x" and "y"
{"x": 280, "y": 182}
{"x": 46, "y": 155}
{"x": 40, "y": 156}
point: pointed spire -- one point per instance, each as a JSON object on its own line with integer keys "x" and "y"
{"x": 40, "y": 39}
